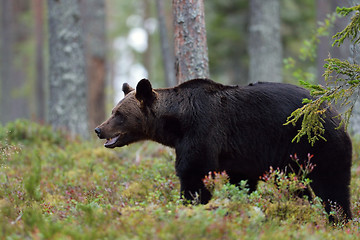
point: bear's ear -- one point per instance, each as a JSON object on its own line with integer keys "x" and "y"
{"x": 144, "y": 92}
{"x": 126, "y": 88}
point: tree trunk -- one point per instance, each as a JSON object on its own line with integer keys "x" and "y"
{"x": 38, "y": 8}
{"x": 347, "y": 51}
{"x": 94, "y": 28}
{"x": 167, "y": 55}
{"x": 324, "y": 48}
{"x": 7, "y": 59}
{"x": 147, "y": 58}
{"x": 13, "y": 34}
{"x": 265, "y": 50}
{"x": 191, "y": 54}
{"x": 67, "y": 100}
{"x": 354, "y": 58}
{"x": 322, "y": 9}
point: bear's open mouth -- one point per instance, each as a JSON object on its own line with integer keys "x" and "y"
{"x": 110, "y": 142}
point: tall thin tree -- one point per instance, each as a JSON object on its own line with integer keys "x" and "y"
{"x": 68, "y": 88}
{"x": 355, "y": 59}
{"x": 325, "y": 48}
{"x": 38, "y": 8}
{"x": 93, "y": 12}
{"x": 191, "y": 53}
{"x": 167, "y": 54}
{"x": 14, "y": 34}
{"x": 265, "y": 50}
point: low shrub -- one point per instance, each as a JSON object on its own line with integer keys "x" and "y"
{"x": 56, "y": 187}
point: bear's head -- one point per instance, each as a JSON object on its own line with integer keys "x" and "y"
{"x": 129, "y": 119}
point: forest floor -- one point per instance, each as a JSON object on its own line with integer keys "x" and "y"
{"x": 56, "y": 187}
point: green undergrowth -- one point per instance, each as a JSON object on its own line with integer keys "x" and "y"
{"x": 53, "y": 186}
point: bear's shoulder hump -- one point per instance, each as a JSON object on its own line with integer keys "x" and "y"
{"x": 204, "y": 83}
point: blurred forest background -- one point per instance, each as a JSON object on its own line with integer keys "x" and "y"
{"x": 125, "y": 41}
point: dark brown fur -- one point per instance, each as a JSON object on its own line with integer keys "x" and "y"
{"x": 214, "y": 127}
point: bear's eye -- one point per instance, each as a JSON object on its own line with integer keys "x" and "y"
{"x": 119, "y": 117}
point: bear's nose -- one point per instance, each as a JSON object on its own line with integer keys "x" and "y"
{"x": 97, "y": 131}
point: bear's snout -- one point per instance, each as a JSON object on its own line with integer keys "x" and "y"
{"x": 98, "y": 131}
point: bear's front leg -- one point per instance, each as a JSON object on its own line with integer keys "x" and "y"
{"x": 194, "y": 160}
{"x": 194, "y": 190}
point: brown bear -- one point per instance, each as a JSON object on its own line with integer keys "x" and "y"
{"x": 237, "y": 129}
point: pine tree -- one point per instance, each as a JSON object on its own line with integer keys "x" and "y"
{"x": 265, "y": 50}
{"x": 342, "y": 86}
{"x": 191, "y": 54}
{"x": 94, "y": 31}
{"x": 67, "y": 101}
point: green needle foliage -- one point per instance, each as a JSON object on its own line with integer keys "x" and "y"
{"x": 351, "y": 30}
{"x": 342, "y": 87}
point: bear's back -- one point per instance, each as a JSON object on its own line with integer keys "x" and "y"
{"x": 258, "y": 90}
{"x": 204, "y": 84}
{"x": 252, "y": 116}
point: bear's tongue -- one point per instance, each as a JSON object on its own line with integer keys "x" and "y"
{"x": 111, "y": 141}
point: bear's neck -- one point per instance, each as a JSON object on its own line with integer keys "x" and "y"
{"x": 166, "y": 125}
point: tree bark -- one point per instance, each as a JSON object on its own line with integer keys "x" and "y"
{"x": 347, "y": 50}
{"x": 94, "y": 28}
{"x": 13, "y": 34}
{"x": 67, "y": 100}
{"x": 191, "y": 53}
{"x": 354, "y": 58}
{"x": 38, "y": 8}
{"x": 6, "y": 57}
{"x": 167, "y": 55}
{"x": 322, "y": 9}
{"x": 265, "y": 50}
{"x": 325, "y": 48}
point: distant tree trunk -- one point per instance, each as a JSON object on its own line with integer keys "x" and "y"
{"x": 13, "y": 34}
{"x": 7, "y": 59}
{"x": 355, "y": 117}
{"x": 347, "y": 51}
{"x": 323, "y": 7}
{"x": 147, "y": 56}
{"x": 265, "y": 50}
{"x": 38, "y": 8}
{"x": 354, "y": 58}
{"x": 67, "y": 100}
{"x": 191, "y": 53}
{"x": 324, "y": 48}
{"x": 94, "y": 28}
{"x": 167, "y": 55}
